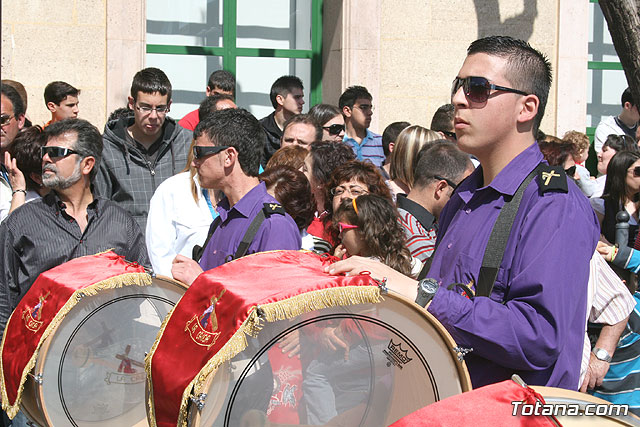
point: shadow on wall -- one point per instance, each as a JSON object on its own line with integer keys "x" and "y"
{"x": 490, "y": 23}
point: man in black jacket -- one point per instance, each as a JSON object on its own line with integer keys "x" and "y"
{"x": 287, "y": 98}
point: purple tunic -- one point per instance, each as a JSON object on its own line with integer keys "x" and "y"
{"x": 538, "y": 331}
{"x": 276, "y": 232}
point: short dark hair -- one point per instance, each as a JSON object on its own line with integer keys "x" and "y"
{"x": 304, "y": 119}
{"x": 57, "y": 91}
{"x": 120, "y": 113}
{"x": 292, "y": 189}
{"x": 224, "y": 80}
{"x": 283, "y": 86}
{"x": 527, "y": 69}
{"x": 352, "y": 94}
{"x": 239, "y": 129}
{"x": 88, "y": 143}
{"x": 151, "y": 80}
{"x": 390, "y": 134}
{"x": 442, "y": 120}
{"x": 26, "y": 150}
{"x": 322, "y": 113}
{"x": 443, "y": 159}
{"x": 627, "y": 96}
{"x": 621, "y": 143}
{"x": 326, "y": 157}
{"x": 14, "y": 97}
{"x": 210, "y": 104}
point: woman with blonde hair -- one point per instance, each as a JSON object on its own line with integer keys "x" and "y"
{"x": 403, "y": 156}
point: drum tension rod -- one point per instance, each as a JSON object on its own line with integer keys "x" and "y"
{"x": 199, "y": 400}
{"x": 461, "y": 352}
{"x": 37, "y": 378}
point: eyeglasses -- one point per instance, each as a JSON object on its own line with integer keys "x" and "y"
{"x": 448, "y": 181}
{"x": 636, "y": 171}
{"x": 451, "y": 135}
{"x": 477, "y": 89}
{"x": 353, "y": 190}
{"x": 5, "y": 119}
{"x": 365, "y": 107}
{"x": 57, "y": 152}
{"x": 160, "y": 110}
{"x": 342, "y": 226}
{"x": 200, "y": 152}
{"x": 334, "y": 129}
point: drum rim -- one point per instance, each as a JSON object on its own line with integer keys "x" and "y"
{"x": 195, "y": 415}
{"x": 38, "y": 369}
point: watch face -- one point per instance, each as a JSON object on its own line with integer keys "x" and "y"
{"x": 602, "y": 354}
{"x": 430, "y": 286}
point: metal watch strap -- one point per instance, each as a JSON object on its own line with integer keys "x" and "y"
{"x": 601, "y": 354}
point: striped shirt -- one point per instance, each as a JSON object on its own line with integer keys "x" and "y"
{"x": 369, "y": 149}
{"x": 419, "y": 228}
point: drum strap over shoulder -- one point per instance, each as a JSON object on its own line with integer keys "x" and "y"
{"x": 494, "y": 251}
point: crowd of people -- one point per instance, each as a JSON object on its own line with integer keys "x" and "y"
{"x": 507, "y": 220}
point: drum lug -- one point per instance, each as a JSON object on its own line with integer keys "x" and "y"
{"x": 383, "y": 286}
{"x": 199, "y": 400}
{"x": 461, "y": 352}
{"x": 37, "y": 378}
{"x": 79, "y": 296}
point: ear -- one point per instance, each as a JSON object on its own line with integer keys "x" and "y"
{"x": 21, "y": 121}
{"x": 130, "y": 102}
{"x": 87, "y": 165}
{"x": 231, "y": 157}
{"x": 346, "y": 111}
{"x": 280, "y": 100}
{"x": 528, "y": 108}
{"x": 208, "y": 91}
{"x": 440, "y": 190}
{"x": 391, "y": 145}
{"x": 51, "y": 106}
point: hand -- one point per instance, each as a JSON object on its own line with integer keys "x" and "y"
{"x": 605, "y": 250}
{"x": 595, "y": 373}
{"x": 396, "y": 281}
{"x": 330, "y": 338}
{"x": 16, "y": 177}
{"x": 340, "y": 251}
{"x": 291, "y": 343}
{"x": 185, "y": 269}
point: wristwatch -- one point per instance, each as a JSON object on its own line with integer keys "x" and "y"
{"x": 602, "y": 354}
{"x": 427, "y": 288}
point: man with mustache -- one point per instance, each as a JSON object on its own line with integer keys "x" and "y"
{"x": 67, "y": 223}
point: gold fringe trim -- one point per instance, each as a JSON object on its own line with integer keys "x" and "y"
{"x": 126, "y": 279}
{"x": 281, "y": 310}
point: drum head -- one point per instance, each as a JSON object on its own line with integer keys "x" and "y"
{"x": 399, "y": 360}
{"x": 92, "y": 367}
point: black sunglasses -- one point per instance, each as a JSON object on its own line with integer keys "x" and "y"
{"x": 57, "y": 152}
{"x": 478, "y": 89}
{"x": 5, "y": 119}
{"x": 200, "y": 152}
{"x": 334, "y": 129}
{"x": 451, "y": 135}
{"x": 448, "y": 181}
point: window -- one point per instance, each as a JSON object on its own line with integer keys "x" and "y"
{"x": 258, "y": 41}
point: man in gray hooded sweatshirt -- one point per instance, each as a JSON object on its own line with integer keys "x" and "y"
{"x": 144, "y": 149}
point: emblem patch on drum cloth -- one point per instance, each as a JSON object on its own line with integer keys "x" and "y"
{"x": 202, "y": 329}
{"x": 396, "y": 356}
{"x": 32, "y": 316}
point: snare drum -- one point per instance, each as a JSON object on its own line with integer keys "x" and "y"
{"x": 90, "y": 371}
{"x": 605, "y": 415}
{"x": 399, "y": 360}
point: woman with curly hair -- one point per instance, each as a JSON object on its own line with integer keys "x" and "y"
{"x": 369, "y": 227}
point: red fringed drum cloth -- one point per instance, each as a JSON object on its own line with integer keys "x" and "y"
{"x": 210, "y": 324}
{"x": 54, "y": 293}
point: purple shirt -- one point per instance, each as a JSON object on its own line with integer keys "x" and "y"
{"x": 538, "y": 331}
{"x": 276, "y": 232}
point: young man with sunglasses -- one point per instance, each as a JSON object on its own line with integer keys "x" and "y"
{"x": 69, "y": 221}
{"x": 356, "y": 104}
{"x": 142, "y": 150}
{"x": 532, "y": 323}
{"x": 227, "y": 152}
